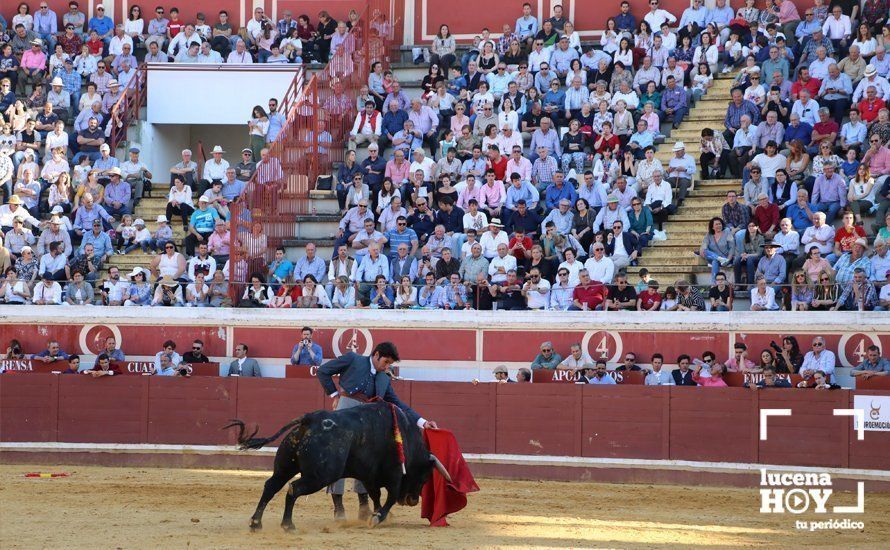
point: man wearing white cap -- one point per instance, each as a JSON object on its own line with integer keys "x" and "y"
{"x": 214, "y": 169}
{"x": 201, "y": 225}
{"x": 871, "y": 78}
{"x": 59, "y": 98}
{"x": 105, "y": 163}
{"x": 680, "y": 171}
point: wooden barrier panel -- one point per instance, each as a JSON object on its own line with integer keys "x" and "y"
{"x": 271, "y": 403}
{"x": 30, "y": 366}
{"x": 542, "y": 421}
{"x": 467, "y": 410}
{"x": 873, "y": 383}
{"x": 29, "y": 407}
{"x": 625, "y": 421}
{"x": 812, "y": 435}
{"x": 718, "y": 424}
{"x": 110, "y": 409}
{"x": 620, "y": 421}
{"x": 190, "y": 410}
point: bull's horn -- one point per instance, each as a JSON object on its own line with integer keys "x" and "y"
{"x": 440, "y": 467}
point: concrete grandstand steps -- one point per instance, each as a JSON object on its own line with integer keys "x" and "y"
{"x": 666, "y": 276}
{"x": 294, "y": 248}
{"x": 316, "y": 226}
{"x": 693, "y": 209}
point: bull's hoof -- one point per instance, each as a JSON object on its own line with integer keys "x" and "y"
{"x": 255, "y": 525}
{"x": 374, "y": 520}
{"x": 364, "y": 512}
{"x": 339, "y": 514}
{"x": 288, "y": 526}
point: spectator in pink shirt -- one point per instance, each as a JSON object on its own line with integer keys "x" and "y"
{"x": 877, "y": 157}
{"x": 493, "y": 195}
{"x": 33, "y": 66}
{"x": 715, "y": 380}
{"x": 397, "y": 169}
{"x": 520, "y": 165}
{"x": 789, "y": 18}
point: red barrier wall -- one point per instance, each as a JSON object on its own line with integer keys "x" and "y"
{"x": 711, "y": 424}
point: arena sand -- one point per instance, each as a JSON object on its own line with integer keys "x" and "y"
{"x": 171, "y": 508}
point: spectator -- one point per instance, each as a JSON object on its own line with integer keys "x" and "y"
{"x": 658, "y": 377}
{"x": 716, "y": 375}
{"x": 103, "y": 367}
{"x": 818, "y": 359}
{"x": 873, "y": 365}
{"x": 547, "y": 359}
{"x": 242, "y": 365}
{"x": 600, "y": 376}
{"x": 306, "y": 352}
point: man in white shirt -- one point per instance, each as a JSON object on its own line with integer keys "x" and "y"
{"x": 365, "y": 238}
{"x": 493, "y": 238}
{"x": 600, "y": 267}
{"x": 214, "y": 169}
{"x": 656, "y": 16}
{"x": 819, "y": 234}
{"x": 806, "y": 108}
{"x": 422, "y": 162}
{"x": 240, "y": 55}
{"x": 183, "y": 41}
{"x": 837, "y": 28}
{"x": 536, "y": 290}
{"x": 47, "y": 292}
{"x": 367, "y": 126}
{"x": 818, "y": 358}
{"x": 501, "y": 263}
{"x": 575, "y": 359}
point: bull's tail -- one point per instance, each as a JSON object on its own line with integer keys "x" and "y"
{"x": 250, "y": 441}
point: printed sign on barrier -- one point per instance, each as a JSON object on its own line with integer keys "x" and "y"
{"x": 564, "y": 376}
{"x": 31, "y": 365}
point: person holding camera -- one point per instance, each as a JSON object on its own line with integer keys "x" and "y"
{"x": 167, "y": 293}
{"x": 306, "y": 352}
{"x": 169, "y": 368}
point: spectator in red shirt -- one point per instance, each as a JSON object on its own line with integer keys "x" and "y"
{"x": 870, "y": 105}
{"x": 844, "y": 238}
{"x": 497, "y": 162}
{"x": 520, "y": 245}
{"x": 805, "y": 82}
{"x": 826, "y": 129}
{"x": 766, "y": 214}
{"x": 588, "y": 295}
{"x": 103, "y": 367}
{"x": 649, "y": 299}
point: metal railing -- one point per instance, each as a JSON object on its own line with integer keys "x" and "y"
{"x": 127, "y": 108}
{"x": 319, "y": 113}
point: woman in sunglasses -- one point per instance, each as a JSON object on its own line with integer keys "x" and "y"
{"x": 826, "y": 293}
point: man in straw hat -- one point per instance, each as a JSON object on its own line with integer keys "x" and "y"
{"x": 13, "y": 209}
{"x": 118, "y": 198}
{"x": 214, "y": 169}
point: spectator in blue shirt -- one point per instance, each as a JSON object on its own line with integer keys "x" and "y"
{"x": 801, "y": 212}
{"x": 102, "y": 24}
{"x": 306, "y": 352}
{"x": 559, "y": 190}
{"x": 798, "y": 130}
{"x": 51, "y": 354}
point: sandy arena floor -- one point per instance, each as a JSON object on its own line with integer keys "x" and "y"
{"x": 160, "y": 508}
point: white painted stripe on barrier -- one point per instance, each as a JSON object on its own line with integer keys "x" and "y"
{"x": 507, "y": 459}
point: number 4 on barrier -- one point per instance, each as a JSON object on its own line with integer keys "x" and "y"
{"x": 857, "y": 414}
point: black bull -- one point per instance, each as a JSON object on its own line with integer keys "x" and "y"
{"x": 359, "y": 443}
